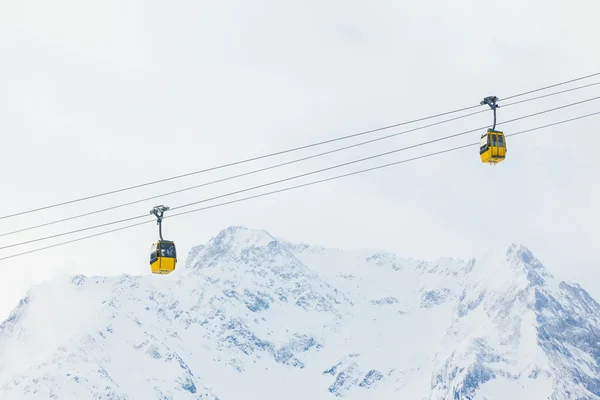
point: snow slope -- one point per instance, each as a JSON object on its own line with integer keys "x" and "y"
{"x": 248, "y": 316}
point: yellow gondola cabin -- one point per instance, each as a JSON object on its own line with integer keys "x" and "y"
{"x": 492, "y": 147}
{"x": 163, "y": 257}
{"x": 163, "y": 254}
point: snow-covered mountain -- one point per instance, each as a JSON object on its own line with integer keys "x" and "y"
{"x": 248, "y": 316}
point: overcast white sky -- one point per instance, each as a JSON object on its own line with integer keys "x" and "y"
{"x": 95, "y": 96}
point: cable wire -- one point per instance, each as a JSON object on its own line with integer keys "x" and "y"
{"x": 297, "y": 186}
{"x": 238, "y": 175}
{"x": 75, "y": 231}
{"x": 234, "y": 163}
{"x": 282, "y": 164}
{"x": 381, "y": 154}
{"x": 305, "y": 174}
{"x": 551, "y": 86}
{"x": 377, "y": 167}
{"x": 552, "y": 94}
{"x": 276, "y": 153}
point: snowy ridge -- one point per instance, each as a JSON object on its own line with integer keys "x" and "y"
{"x": 250, "y": 316}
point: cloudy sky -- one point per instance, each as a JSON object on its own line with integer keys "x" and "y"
{"x": 95, "y": 96}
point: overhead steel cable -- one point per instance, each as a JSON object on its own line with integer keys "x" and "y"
{"x": 236, "y": 176}
{"x": 75, "y": 231}
{"x": 231, "y": 164}
{"x": 276, "y": 153}
{"x": 550, "y": 94}
{"x": 551, "y": 86}
{"x": 307, "y": 173}
{"x": 296, "y": 187}
{"x": 281, "y": 164}
{"x": 378, "y": 167}
{"x": 382, "y": 154}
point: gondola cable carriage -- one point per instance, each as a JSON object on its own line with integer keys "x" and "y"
{"x": 163, "y": 254}
{"x": 492, "y": 146}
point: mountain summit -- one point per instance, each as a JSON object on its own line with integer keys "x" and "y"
{"x": 251, "y": 316}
